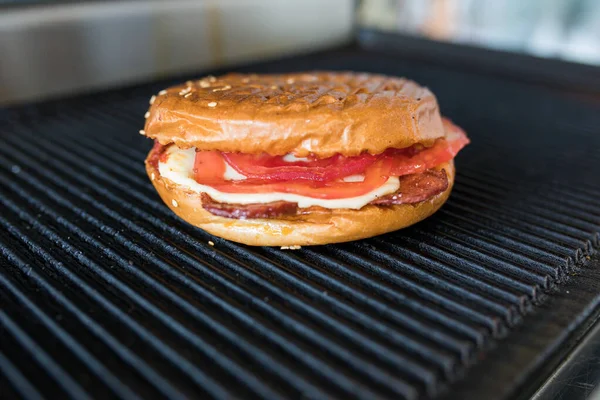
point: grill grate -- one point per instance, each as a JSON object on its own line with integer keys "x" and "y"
{"x": 105, "y": 293}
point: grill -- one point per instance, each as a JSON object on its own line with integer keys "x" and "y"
{"x": 104, "y": 293}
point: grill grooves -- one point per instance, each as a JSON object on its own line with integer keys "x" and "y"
{"x": 148, "y": 309}
{"x": 552, "y": 228}
{"x": 68, "y": 384}
{"x": 178, "y": 361}
{"x": 511, "y": 300}
{"x": 413, "y": 367}
{"x": 91, "y": 362}
{"x": 517, "y": 233}
{"x": 530, "y": 231}
{"x": 434, "y": 355}
{"x": 504, "y": 274}
{"x": 448, "y": 303}
{"x": 378, "y": 374}
{"x": 409, "y": 262}
{"x": 132, "y": 293}
{"x": 572, "y": 198}
{"x": 457, "y": 324}
{"x": 437, "y": 253}
{"x": 498, "y": 235}
{"x": 516, "y": 255}
{"x": 21, "y": 384}
{"x": 152, "y": 377}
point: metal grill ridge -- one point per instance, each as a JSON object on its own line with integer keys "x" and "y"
{"x": 105, "y": 293}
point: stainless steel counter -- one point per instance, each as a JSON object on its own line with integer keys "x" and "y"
{"x": 52, "y": 50}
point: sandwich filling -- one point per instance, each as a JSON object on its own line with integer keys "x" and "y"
{"x": 240, "y": 185}
{"x": 182, "y": 166}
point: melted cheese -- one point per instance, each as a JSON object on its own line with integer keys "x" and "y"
{"x": 231, "y": 174}
{"x": 179, "y": 169}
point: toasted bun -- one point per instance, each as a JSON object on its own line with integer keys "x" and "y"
{"x": 320, "y": 227}
{"x": 322, "y": 113}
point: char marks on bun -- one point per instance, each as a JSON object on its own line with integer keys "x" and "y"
{"x": 322, "y": 113}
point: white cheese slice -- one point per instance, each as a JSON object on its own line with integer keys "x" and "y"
{"x": 179, "y": 169}
{"x": 231, "y": 174}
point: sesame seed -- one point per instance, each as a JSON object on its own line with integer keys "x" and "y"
{"x": 162, "y": 92}
{"x": 189, "y": 83}
{"x": 174, "y": 202}
{"x": 211, "y": 78}
{"x": 294, "y": 247}
{"x": 211, "y": 243}
{"x": 212, "y": 104}
{"x": 226, "y": 87}
{"x": 147, "y": 114}
{"x": 152, "y": 176}
{"x": 152, "y": 99}
{"x": 204, "y": 84}
{"x": 142, "y": 132}
{"x": 187, "y": 95}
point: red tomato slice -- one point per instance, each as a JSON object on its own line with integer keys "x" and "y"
{"x": 405, "y": 161}
{"x": 410, "y": 162}
{"x": 319, "y": 178}
{"x": 271, "y": 168}
{"x": 210, "y": 165}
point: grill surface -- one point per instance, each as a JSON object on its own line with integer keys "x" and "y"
{"x": 105, "y": 293}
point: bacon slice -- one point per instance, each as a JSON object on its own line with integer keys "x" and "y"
{"x": 248, "y": 211}
{"x": 414, "y": 188}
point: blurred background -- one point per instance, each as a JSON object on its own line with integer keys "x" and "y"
{"x": 54, "y": 48}
{"x": 567, "y": 29}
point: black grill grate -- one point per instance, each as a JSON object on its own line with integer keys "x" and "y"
{"x": 105, "y": 293}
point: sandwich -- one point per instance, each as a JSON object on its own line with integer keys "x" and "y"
{"x": 301, "y": 159}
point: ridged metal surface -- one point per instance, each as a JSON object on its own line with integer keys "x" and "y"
{"x": 104, "y": 293}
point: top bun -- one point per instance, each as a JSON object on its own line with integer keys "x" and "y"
{"x": 322, "y": 113}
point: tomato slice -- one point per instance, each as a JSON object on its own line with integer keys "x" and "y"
{"x": 209, "y": 164}
{"x": 411, "y": 160}
{"x": 209, "y": 167}
{"x": 320, "y": 178}
{"x": 271, "y": 168}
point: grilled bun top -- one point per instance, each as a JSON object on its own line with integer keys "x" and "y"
{"x": 322, "y": 113}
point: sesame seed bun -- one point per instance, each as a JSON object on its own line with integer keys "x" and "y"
{"x": 322, "y": 113}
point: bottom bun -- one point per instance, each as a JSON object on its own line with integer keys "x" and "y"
{"x": 320, "y": 227}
